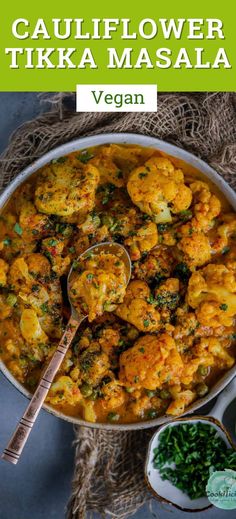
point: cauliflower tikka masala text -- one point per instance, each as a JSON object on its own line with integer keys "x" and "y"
{"x": 147, "y": 349}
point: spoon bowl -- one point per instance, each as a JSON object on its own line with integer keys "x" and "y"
{"x": 106, "y": 248}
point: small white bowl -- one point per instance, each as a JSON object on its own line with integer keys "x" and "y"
{"x": 165, "y": 491}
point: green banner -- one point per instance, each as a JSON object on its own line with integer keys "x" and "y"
{"x": 179, "y": 46}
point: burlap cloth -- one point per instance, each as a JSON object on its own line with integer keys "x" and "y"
{"x": 108, "y": 475}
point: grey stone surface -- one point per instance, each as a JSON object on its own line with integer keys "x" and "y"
{"x": 39, "y": 486}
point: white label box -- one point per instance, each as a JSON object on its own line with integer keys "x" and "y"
{"x": 116, "y": 98}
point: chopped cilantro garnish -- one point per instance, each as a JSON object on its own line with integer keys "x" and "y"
{"x": 182, "y": 272}
{"x": 35, "y": 288}
{"x": 152, "y": 413}
{"x": 113, "y": 417}
{"x": 225, "y": 250}
{"x": 224, "y": 307}
{"x": 44, "y": 308}
{"x": 52, "y": 242}
{"x": 151, "y": 300}
{"x": 60, "y": 160}
{"x": 17, "y": 228}
{"x": 186, "y": 215}
{"x": 7, "y": 241}
{"x": 85, "y": 156}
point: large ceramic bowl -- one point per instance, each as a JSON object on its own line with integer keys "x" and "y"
{"x": 169, "y": 149}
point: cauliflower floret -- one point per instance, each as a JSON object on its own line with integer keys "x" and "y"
{"x": 25, "y": 272}
{"x": 94, "y": 364}
{"x": 30, "y": 278}
{"x": 19, "y": 372}
{"x": 142, "y": 240}
{"x": 158, "y": 189}
{"x": 33, "y": 224}
{"x": 194, "y": 246}
{"x": 3, "y": 272}
{"x": 108, "y": 170}
{"x": 224, "y": 233}
{"x": 212, "y": 292}
{"x": 126, "y": 157}
{"x": 212, "y": 352}
{"x": 151, "y": 362}
{"x": 90, "y": 224}
{"x": 64, "y": 391}
{"x": 182, "y": 399}
{"x": 113, "y": 395}
{"x": 136, "y": 310}
{"x": 209, "y": 352}
{"x": 99, "y": 285}
{"x": 89, "y": 412}
{"x": 157, "y": 265}
{"x": 5, "y": 308}
{"x": 206, "y": 206}
{"x": 167, "y": 294}
{"x": 54, "y": 248}
{"x": 38, "y": 265}
{"x": 65, "y": 189}
{"x": 198, "y": 355}
{"x": 109, "y": 340}
{"x": 19, "y": 276}
{"x": 140, "y": 406}
{"x": 222, "y": 359}
{"x": 186, "y": 324}
{"x": 30, "y": 327}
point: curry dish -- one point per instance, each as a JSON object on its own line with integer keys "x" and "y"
{"x": 173, "y": 334}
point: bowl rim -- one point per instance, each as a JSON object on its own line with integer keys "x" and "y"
{"x": 146, "y": 141}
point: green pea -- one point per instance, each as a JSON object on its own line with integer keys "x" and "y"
{"x": 152, "y": 413}
{"x": 202, "y": 389}
{"x": 129, "y": 389}
{"x": 86, "y": 390}
{"x": 150, "y": 393}
{"x": 96, "y": 220}
{"x": 94, "y": 394}
{"x": 107, "y": 220}
{"x": 202, "y": 370}
{"x": 164, "y": 394}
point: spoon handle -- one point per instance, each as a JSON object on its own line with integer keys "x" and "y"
{"x": 17, "y": 442}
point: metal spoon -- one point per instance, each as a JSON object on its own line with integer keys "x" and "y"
{"x": 17, "y": 442}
